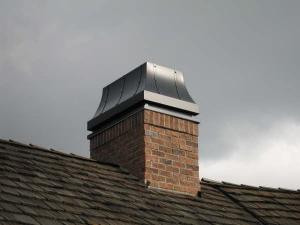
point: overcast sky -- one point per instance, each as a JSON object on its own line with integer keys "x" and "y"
{"x": 240, "y": 59}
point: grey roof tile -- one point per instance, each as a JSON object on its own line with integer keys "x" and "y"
{"x": 24, "y": 219}
{"x": 39, "y": 186}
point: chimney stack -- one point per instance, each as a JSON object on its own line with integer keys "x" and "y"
{"x": 145, "y": 123}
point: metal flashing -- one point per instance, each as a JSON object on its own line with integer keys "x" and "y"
{"x": 149, "y": 83}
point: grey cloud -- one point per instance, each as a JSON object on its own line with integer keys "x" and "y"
{"x": 240, "y": 60}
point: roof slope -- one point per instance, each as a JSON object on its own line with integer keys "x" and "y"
{"x": 40, "y": 186}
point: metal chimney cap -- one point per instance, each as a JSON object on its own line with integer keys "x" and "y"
{"x": 148, "y": 84}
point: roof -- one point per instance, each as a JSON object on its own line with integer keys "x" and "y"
{"x": 41, "y": 186}
{"x": 149, "y": 83}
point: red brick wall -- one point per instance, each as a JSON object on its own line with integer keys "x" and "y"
{"x": 171, "y": 146}
{"x": 156, "y": 147}
{"x": 122, "y": 144}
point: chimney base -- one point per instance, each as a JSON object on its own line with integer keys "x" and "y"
{"x": 158, "y": 148}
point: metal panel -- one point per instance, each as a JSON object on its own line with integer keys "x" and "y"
{"x": 114, "y": 94}
{"x": 165, "y": 81}
{"x": 181, "y": 88}
{"x": 131, "y": 84}
{"x": 150, "y": 84}
{"x": 103, "y": 102}
{"x": 142, "y": 70}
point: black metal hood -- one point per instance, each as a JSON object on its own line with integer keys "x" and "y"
{"x": 148, "y": 84}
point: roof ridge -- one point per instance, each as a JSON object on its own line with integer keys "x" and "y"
{"x": 277, "y": 189}
{"x": 219, "y": 183}
{"x": 54, "y": 151}
{"x": 208, "y": 180}
{"x": 243, "y": 186}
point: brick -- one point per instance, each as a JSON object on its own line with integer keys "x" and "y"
{"x": 172, "y": 169}
{"x": 153, "y": 170}
{"x": 149, "y": 144}
{"x": 192, "y": 167}
{"x": 167, "y": 121}
{"x": 167, "y": 186}
{"x": 151, "y": 133}
{"x": 161, "y": 166}
{"x": 157, "y": 140}
{"x": 164, "y": 173}
{"x": 173, "y": 180}
{"x": 158, "y": 178}
{"x": 179, "y": 164}
{"x": 177, "y": 151}
{"x": 192, "y": 144}
{"x": 158, "y": 153}
{"x": 152, "y": 158}
{"x": 165, "y": 161}
{"x": 192, "y": 155}
{"x": 172, "y": 157}
{"x": 165, "y": 149}
{"x": 186, "y": 172}
{"x": 162, "y": 119}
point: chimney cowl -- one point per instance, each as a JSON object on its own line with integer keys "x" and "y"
{"x": 148, "y": 85}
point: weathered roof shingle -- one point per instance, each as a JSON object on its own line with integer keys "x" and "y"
{"x": 40, "y": 186}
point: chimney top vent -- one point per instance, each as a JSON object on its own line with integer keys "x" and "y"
{"x": 149, "y": 86}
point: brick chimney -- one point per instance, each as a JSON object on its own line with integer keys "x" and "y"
{"x": 145, "y": 123}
